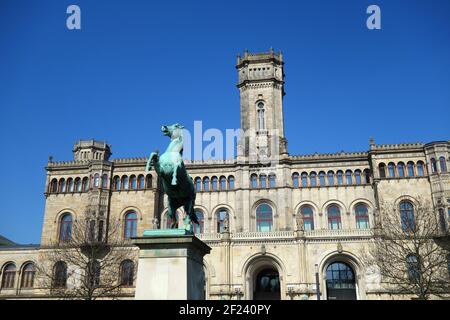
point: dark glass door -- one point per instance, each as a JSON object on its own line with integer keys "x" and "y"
{"x": 267, "y": 286}
{"x": 340, "y": 282}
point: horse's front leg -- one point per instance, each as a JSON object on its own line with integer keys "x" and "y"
{"x": 172, "y": 213}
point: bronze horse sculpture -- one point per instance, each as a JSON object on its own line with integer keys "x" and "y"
{"x": 177, "y": 184}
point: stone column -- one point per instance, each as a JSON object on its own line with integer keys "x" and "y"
{"x": 170, "y": 266}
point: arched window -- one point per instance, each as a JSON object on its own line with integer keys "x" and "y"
{"x": 125, "y": 183}
{"x": 263, "y": 181}
{"x": 93, "y": 273}
{"x": 54, "y": 186}
{"x": 313, "y": 179}
{"x": 322, "y": 179}
{"x": 264, "y": 217}
{"x": 358, "y": 176}
{"x": 295, "y": 180}
{"x": 130, "y": 225}
{"x": 214, "y": 182}
{"x": 133, "y": 182}
{"x": 272, "y": 181}
{"x": 420, "y": 171}
{"x": 410, "y": 168}
{"x": 340, "y": 282}
{"x": 412, "y": 263}
{"x": 308, "y": 217}
{"x": 367, "y": 176}
{"x": 254, "y": 181}
{"x": 340, "y": 177}
{"x": 117, "y": 183}
{"x": 141, "y": 182}
{"x": 205, "y": 184}
{"x": 231, "y": 183}
{"x": 348, "y": 176}
{"x": 85, "y": 184}
{"x": 304, "y": 179}
{"x": 330, "y": 178}
{"x": 261, "y": 122}
{"x": 59, "y": 275}
{"x": 62, "y": 185}
{"x": 401, "y": 169}
{"x": 105, "y": 181}
{"x": 65, "y": 227}
{"x": 407, "y": 216}
{"x": 362, "y": 216}
{"x": 70, "y": 185}
{"x": 382, "y": 169}
{"x": 443, "y": 164}
{"x": 433, "y": 165}
{"x": 391, "y": 169}
{"x": 148, "y": 181}
{"x": 9, "y": 276}
{"x": 77, "y": 184}
{"x": 28, "y": 272}
{"x": 127, "y": 273}
{"x": 198, "y": 228}
{"x": 334, "y": 217}
{"x": 221, "y": 216}
{"x": 223, "y": 183}
{"x": 96, "y": 180}
{"x": 198, "y": 184}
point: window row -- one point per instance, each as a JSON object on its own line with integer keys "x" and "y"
{"x": 263, "y": 181}
{"x": 132, "y": 182}
{"x": 401, "y": 170}
{"x": 214, "y": 184}
{"x": 330, "y": 178}
{"x": 27, "y": 275}
{"x": 442, "y": 165}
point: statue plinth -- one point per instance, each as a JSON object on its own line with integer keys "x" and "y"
{"x": 170, "y": 265}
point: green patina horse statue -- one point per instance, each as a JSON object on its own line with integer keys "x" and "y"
{"x": 177, "y": 184}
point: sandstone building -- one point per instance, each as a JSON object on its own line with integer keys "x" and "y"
{"x": 271, "y": 227}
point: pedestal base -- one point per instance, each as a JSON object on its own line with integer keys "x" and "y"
{"x": 170, "y": 266}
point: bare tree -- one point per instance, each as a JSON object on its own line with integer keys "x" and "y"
{"x": 408, "y": 252}
{"x": 88, "y": 265}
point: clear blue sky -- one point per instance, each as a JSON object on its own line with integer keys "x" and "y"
{"x": 116, "y": 79}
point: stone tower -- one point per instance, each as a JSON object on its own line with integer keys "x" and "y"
{"x": 261, "y": 88}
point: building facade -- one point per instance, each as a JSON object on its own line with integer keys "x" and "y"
{"x": 271, "y": 227}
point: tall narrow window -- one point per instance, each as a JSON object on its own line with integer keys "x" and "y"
{"x": 148, "y": 181}
{"x": 214, "y": 182}
{"x": 334, "y": 217}
{"x": 362, "y": 216}
{"x": 348, "y": 176}
{"x": 205, "y": 184}
{"x": 382, "y": 169}
{"x": 59, "y": 275}
{"x": 198, "y": 228}
{"x": 223, "y": 183}
{"x": 308, "y": 217}
{"x": 295, "y": 180}
{"x": 420, "y": 171}
{"x": 443, "y": 164}
{"x": 263, "y": 181}
{"x": 401, "y": 169}
{"x": 96, "y": 180}
{"x": 70, "y": 185}
{"x": 261, "y": 123}
{"x": 407, "y": 216}
{"x": 272, "y": 181}
{"x": 304, "y": 179}
{"x": 117, "y": 183}
{"x": 125, "y": 183}
{"x": 413, "y": 268}
{"x": 28, "y": 273}
{"x": 105, "y": 181}
{"x": 322, "y": 179}
{"x": 367, "y": 176}
{"x": 391, "y": 170}
{"x": 330, "y": 178}
{"x": 9, "y": 276}
{"x": 77, "y": 184}
{"x": 141, "y": 182}
{"x": 433, "y": 165}
{"x": 62, "y": 185}
{"x": 254, "y": 181}
{"x": 85, "y": 184}
{"x": 231, "y": 183}
{"x": 65, "y": 227}
{"x": 358, "y": 176}
{"x": 264, "y": 217}
{"x": 127, "y": 273}
{"x": 133, "y": 182}
{"x": 410, "y": 168}
{"x": 54, "y": 186}
{"x": 313, "y": 179}
{"x": 222, "y": 216}
{"x": 130, "y": 225}
{"x": 340, "y": 178}
{"x": 198, "y": 184}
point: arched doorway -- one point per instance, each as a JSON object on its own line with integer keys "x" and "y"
{"x": 340, "y": 281}
{"x": 267, "y": 285}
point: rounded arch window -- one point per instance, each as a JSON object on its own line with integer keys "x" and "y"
{"x": 313, "y": 179}
{"x": 295, "y": 180}
{"x": 223, "y": 183}
{"x": 420, "y": 169}
{"x": 28, "y": 273}
{"x": 133, "y": 182}
{"x": 231, "y": 182}
{"x": 334, "y": 217}
{"x": 59, "y": 275}
{"x": 340, "y": 177}
{"x": 410, "y": 168}
{"x": 401, "y": 169}
{"x": 222, "y": 218}
{"x": 443, "y": 164}
{"x": 9, "y": 276}
{"x": 198, "y": 184}
{"x": 214, "y": 183}
{"x": 407, "y": 215}
{"x": 130, "y": 225}
{"x": 308, "y": 217}
{"x": 362, "y": 216}
{"x": 141, "y": 182}
{"x": 264, "y": 217}
{"x": 330, "y": 175}
{"x": 65, "y": 227}
{"x": 199, "y": 228}
{"x": 205, "y": 184}
{"x": 340, "y": 282}
{"x": 127, "y": 273}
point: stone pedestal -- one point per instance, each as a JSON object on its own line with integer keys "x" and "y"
{"x": 170, "y": 266}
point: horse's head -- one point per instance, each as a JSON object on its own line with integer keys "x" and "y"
{"x": 172, "y": 131}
